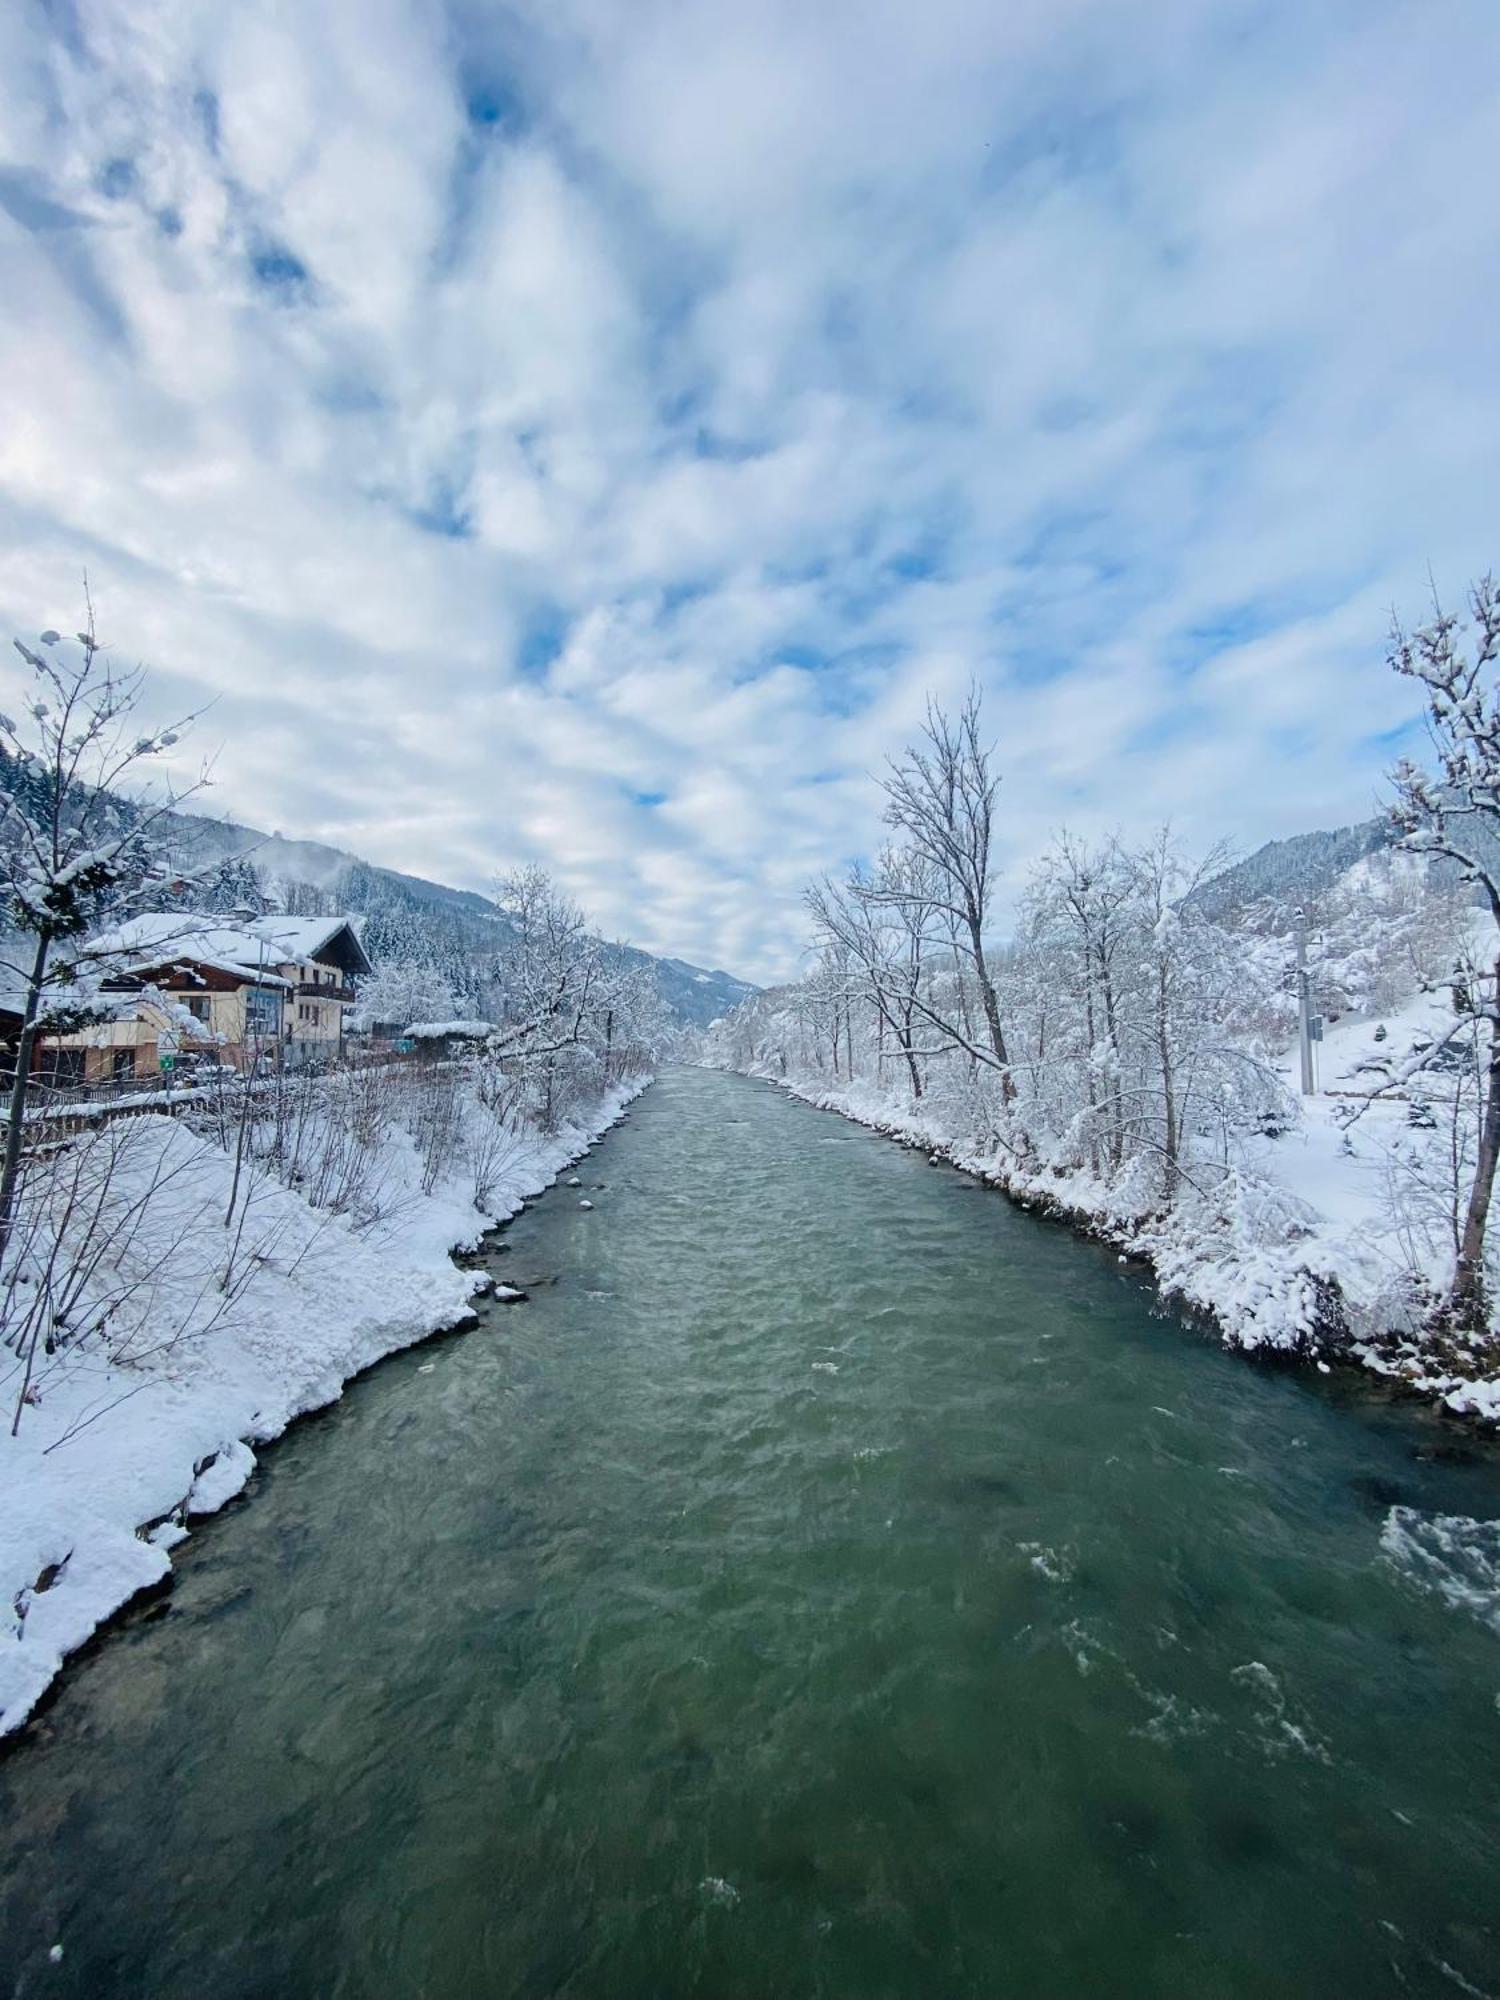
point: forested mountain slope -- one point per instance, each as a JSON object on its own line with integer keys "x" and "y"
{"x": 408, "y": 917}
{"x": 1294, "y": 871}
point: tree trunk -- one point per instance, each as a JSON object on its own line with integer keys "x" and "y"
{"x": 1088, "y": 1072}
{"x": 1116, "y": 1099}
{"x": 1468, "y": 1302}
{"x": 16, "y": 1116}
{"x": 1168, "y": 1086}
{"x": 991, "y": 1007}
{"x": 903, "y": 1035}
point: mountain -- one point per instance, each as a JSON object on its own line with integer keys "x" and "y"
{"x": 407, "y": 911}
{"x": 1290, "y": 872}
{"x": 694, "y": 995}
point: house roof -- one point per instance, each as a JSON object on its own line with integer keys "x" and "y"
{"x": 162, "y": 937}
{"x": 159, "y": 938}
{"x": 456, "y": 1031}
{"x": 231, "y": 968}
{"x": 333, "y": 939}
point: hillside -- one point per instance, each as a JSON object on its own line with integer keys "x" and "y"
{"x": 1292, "y": 871}
{"x": 407, "y": 913}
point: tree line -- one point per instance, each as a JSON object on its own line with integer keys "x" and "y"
{"x": 1122, "y": 1032}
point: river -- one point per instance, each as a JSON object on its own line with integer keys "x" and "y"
{"x": 833, "y": 1582}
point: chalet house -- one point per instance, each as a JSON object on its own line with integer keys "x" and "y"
{"x": 171, "y": 986}
{"x": 319, "y": 958}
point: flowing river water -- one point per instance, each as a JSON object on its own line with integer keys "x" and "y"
{"x": 833, "y": 1582}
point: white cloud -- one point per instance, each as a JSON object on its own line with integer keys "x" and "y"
{"x": 589, "y": 432}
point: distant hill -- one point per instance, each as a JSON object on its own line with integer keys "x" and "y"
{"x": 405, "y": 910}
{"x": 694, "y": 995}
{"x": 1293, "y": 871}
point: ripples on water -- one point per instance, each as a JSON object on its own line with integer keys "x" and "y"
{"x": 832, "y": 1584}
{"x": 1449, "y": 1554}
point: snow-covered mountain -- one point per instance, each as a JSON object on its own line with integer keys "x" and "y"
{"x": 1293, "y": 871}
{"x": 466, "y": 920}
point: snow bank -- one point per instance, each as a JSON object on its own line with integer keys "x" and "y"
{"x": 129, "y": 1439}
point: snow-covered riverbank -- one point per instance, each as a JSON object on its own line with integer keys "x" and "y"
{"x": 119, "y": 1448}
{"x": 1294, "y": 1252}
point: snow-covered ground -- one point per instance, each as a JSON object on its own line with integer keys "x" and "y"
{"x": 1369, "y": 1170}
{"x": 125, "y": 1440}
{"x": 1309, "y": 1245}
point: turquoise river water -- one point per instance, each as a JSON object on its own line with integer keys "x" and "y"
{"x": 833, "y": 1582}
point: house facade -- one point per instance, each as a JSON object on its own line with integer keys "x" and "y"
{"x": 319, "y": 958}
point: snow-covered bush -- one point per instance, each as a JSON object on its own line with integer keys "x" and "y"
{"x": 400, "y": 991}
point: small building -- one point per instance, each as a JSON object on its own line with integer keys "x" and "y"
{"x": 444, "y": 1039}
{"x": 129, "y": 1030}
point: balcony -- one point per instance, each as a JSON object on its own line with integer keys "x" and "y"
{"x": 311, "y": 989}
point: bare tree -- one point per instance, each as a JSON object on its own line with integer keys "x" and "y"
{"x": 874, "y": 926}
{"x": 1184, "y": 976}
{"x": 940, "y": 794}
{"x": 1456, "y": 813}
{"x": 1084, "y": 899}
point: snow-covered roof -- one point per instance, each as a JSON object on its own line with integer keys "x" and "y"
{"x": 435, "y": 1031}
{"x": 256, "y": 945}
{"x": 161, "y": 937}
{"x": 298, "y": 937}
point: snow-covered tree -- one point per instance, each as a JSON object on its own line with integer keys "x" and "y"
{"x": 940, "y": 797}
{"x": 304, "y": 899}
{"x": 400, "y": 991}
{"x": 1082, "y": 904}
{"x": 551, "y": 964}
{"x": 631, "y": 1017}
{"x": 873, "y": 929}
{"x": 1455, "y": 813}
{"x": 571, "y": 1010}
{"x": 73, "y": 848}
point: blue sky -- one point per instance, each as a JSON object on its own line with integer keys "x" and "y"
{"x": 587, "y": 431}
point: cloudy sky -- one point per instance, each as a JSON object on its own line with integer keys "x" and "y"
{"x": 586, "y": 430}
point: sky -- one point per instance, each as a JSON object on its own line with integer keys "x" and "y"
{"x": 588, "y": 431}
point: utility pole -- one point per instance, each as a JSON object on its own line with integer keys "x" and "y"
{"x": 1304, "y": 1007}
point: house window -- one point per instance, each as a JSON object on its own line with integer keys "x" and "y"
{"x": 198, "y": 1005}
{"x": 123, "y": 1064}
{"x": 262, "y": 1010}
